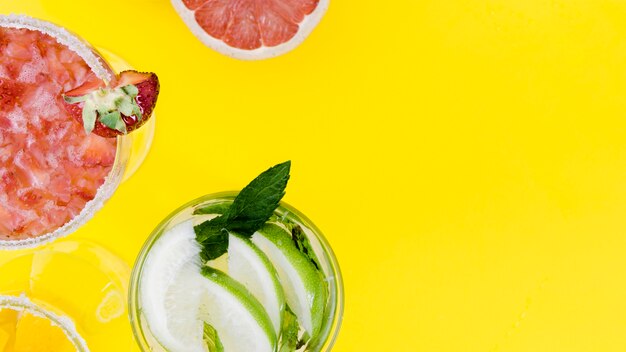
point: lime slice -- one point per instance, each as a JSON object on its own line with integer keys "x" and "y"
{"x": 248, "y": 265}
{"x": 170, "y": 296}
{"x": 241, "y": 322}
{"x": 305, "y": 290}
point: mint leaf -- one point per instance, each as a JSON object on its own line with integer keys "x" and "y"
{"x": 213, "y": 237}
{"x": 303, "y": 244}
{"x": 211, "y": 339}
{"x": 254, "y": 205}
{"x": 217, "y": 208}
{"x": 289, "y": 332}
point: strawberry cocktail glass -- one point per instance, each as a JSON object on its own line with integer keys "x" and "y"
{"x": 65, "y": 116}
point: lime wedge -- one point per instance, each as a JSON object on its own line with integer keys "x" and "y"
{"x": 248, "y": 265}
{"x": 240, "y": 321}
{"x": 170, "y": 293}
{"x": 305, "y": 290}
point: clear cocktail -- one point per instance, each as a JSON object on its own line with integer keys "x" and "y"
{"x": 216, "y": 276}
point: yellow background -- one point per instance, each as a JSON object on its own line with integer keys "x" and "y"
{"x": 466, "y": 159}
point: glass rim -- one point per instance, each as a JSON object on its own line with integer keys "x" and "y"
{"x": 101, "y": 68}
{"x": 66, "y": 324}
{"x": 134, "y": 310}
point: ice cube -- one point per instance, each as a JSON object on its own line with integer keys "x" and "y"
{"x": 19, "y": 121}
{"x": 17, "y": 51}
{"x": 58, "y": 131}
{"x": 34, "y": 174}
{"x": 66, "y": 55}
{"x": 5, "y": 153}
{"x": 30, "y": 70}
{"x": 43, "y": 102}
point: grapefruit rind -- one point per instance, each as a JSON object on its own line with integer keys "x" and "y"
{"x": 307, "y": 25}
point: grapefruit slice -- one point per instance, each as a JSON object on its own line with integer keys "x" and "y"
{"x": 251, "y": 29}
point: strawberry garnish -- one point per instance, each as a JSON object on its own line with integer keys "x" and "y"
{"x": 117, "y": 109}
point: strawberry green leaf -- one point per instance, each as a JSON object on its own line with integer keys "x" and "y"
{"x": 125, "y": 106}
{"x": 89, "y": 116}
{"x": 136, "y": 109}
{"x": 74, "y": 100}
{"x": 102, "y": 111}
{"x": 120, "y": 125}
{"x": 111, "y": 120}
{"x": 130, "y": 90}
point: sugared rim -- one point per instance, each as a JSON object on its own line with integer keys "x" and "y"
{"x": 98, "y": 66}
{"x": 23, "y": 304}
{"x": 283, "y": 209}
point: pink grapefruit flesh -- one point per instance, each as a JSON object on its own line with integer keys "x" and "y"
{"x": 251, "y": 29}
{"x": 49, "y": 167}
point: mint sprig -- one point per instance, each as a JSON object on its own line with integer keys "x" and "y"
{"x": 252, "y": 207}
{"x": 212, "y": 235}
